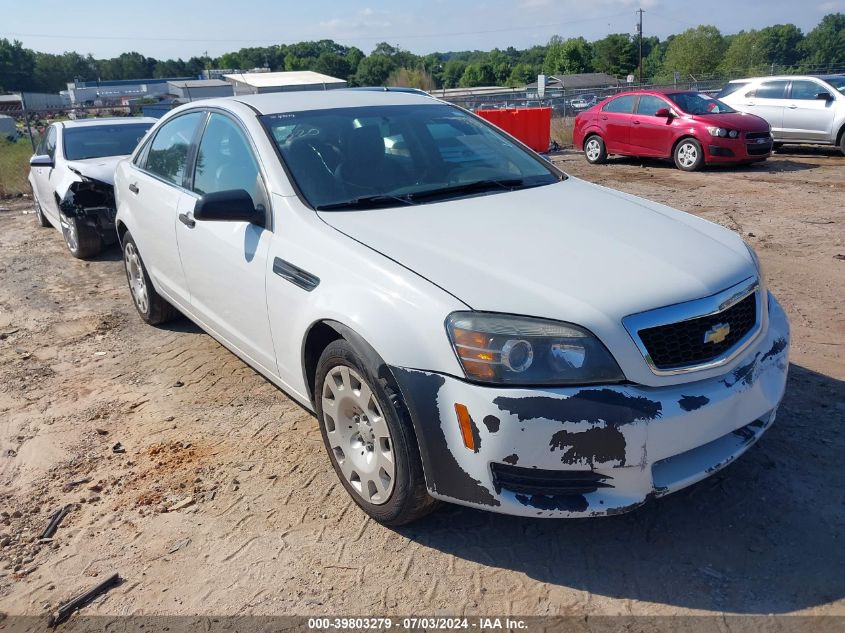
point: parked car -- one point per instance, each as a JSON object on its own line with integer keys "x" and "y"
{"x": 468, "y": 323}
{"x": 72, "y": 178}
{"x": 583, "y": 102}
{"x": 800, "y": 109}
{"x": 691, "y": 128}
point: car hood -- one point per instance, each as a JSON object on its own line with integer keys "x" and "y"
{"x": 741, "y": 121}
{"x": 101, "y": 169}
{"x": 571, "y": 251}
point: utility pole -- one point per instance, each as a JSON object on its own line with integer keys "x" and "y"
{"x": 640, "y": 38}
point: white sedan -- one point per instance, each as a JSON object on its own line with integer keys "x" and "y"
{"x": 72, "y": 178}
{"x": 468, "y": 323}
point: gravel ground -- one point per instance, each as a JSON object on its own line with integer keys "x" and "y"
{"x": 225, "y": 503}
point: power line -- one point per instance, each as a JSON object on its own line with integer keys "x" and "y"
{"x": 78, "y": 36}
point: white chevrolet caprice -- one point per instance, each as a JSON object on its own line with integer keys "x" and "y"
{"x": 468, "y": 323}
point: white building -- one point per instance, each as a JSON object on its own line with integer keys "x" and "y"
{"x": 255, "y": 83}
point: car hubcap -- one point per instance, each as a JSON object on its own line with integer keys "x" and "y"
{"x": 69, "y": 229}
{"x": 687, "y": 155}
{"x": 593, "y": 149}
{"x": 358, "y": 435}
{"x": 135, "y": 274}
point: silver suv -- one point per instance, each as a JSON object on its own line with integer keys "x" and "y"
{"x": 800, "y": 109}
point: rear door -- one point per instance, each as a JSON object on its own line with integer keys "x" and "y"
{"x": 225, "y": 262}
{"x": 156, "y": 192}
{"x": 768, "y": 101}
{"x": 806, "y": 117}
{"x": 615, "y": 119}
{"x": 652, "y": 135}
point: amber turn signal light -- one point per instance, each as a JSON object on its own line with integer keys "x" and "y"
{"x": 465, "y": 424}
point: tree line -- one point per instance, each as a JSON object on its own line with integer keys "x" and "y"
{"x": 698, "y": 53}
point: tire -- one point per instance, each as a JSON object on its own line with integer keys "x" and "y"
{"x": 842, "y": 142}
{"x": 82, "y": 240}
{"x": 152, "y": 307}
{"x": 594, "y": 150}
{"x": 688, "y": 155}
{"x": 39, "y": 214}
{"x": 360, "y": 426}
{"x": 776, "y": 147}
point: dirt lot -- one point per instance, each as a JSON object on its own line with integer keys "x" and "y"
{"x": 266, "y": 528}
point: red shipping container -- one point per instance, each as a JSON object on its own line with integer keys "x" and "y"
{"x": 532, "y": 126}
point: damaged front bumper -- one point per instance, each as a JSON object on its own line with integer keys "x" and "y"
{"x": 92, "y": 202}
{"x": 590, "y": 451}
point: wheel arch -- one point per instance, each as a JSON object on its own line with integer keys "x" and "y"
{"x": 592, "y": 131}
{"x": 122, "y": 230}
{"x": 683, "y": 138}
{"x": 840, "y": 133}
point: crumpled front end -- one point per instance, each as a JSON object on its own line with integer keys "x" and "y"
{"x": 93, "y": 202}
{"x": 589, "y": 451}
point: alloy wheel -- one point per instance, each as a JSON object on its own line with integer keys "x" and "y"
{"x": 135, "y": 275}
{"x": 593, "y": 149}
{"x": 687, "y": 154}
{"x": 358, "y": 434}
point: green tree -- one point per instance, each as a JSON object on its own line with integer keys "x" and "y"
{"x": 825, "y": 45}
{"x": 374, "y": 70}
{"x": 453, "y": 70}
{"x": 332, "y": 64}
{"x": 695, "y": 52}
{"x": 782, "y": 43}
{"x": 522, "y": 74}
{"x": 746, "y": 54}
{"x": 615, "y": 55}
{"x": 566, "y": 57}
{"x": 480, "y": 74}
{"x": 17, "y": 65}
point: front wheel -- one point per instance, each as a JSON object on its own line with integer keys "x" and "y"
{"x": 594, "y": 150}
{"x": 152, "y": 307}
{"x": 688, "y": 155}
{"x": 372, "y": 448}
{"x": 842, "y": 143}
{"x": 82, "y": 240}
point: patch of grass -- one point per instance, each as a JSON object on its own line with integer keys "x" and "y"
{"x": 14, "y": 167}
{"x": 562, "y": 131}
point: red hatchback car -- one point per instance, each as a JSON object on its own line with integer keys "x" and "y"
{"x": 691, "y": 128}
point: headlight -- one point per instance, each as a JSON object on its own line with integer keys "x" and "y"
{"x": 503, "y": 349}
{"x": 733, "y": 133}
{"x": 717, "y": 131}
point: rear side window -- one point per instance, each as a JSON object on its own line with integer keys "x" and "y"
{"x": 770, "y": 90}
{"x": 620, "y": 104}
{"x": 731, "y": 88}
{"x": 806, "y": 90}
{"x": 168, "y": 153}
{"x": 649, "y": 105}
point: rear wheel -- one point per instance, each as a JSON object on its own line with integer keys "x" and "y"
{"x": 688, "y": 155}
{"x": 842, "y": 142}
{"x": 82, "y": 240}
{"x": 152, "y": 307}
{"x": 372, "y": 448}
{"x": 594, "y": 150}
{"x": 39, "y": 214}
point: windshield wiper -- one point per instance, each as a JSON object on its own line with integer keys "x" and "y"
{"x": 508, "y": 184}
{"x": 364, "y": 202}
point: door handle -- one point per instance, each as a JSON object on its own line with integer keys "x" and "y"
{"x": 636, "y": 122}
{"x": 604, "y": 118}
{"x": 133, "y": 188}
{"x": 792, "y": 106}
{"x": 187, "y": 220}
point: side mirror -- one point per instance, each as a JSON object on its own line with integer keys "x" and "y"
{"x": 664, "y": 113}
{"x": 824, "y": 96}
{"x": 234, "y": 205}
{"x": 41, "y": 160}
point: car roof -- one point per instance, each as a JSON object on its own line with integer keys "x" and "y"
{"x": 779, "y": 78}
{"x": 299, "y": 101}
{"x": 107, "y": 121}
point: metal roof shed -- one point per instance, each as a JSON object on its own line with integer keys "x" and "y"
{"x": 200, "y": 89}
{"x": 257, "y": 83}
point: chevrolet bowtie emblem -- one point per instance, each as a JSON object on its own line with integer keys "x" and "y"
{"x": 717, "y": 333}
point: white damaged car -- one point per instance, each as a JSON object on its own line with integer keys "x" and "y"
{"x": 72, "y": 178}
{"x": 468, "y": 323}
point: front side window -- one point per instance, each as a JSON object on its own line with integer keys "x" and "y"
{"x": 168, "y": 153}
{"x": 806, "y": 90}
{"x": 621, "y": 104}
{"x": 838, "y": 83}
{"x": 697, "y": 103}
{"x": 398, "y": 155}
{"x": 48, "y": 145}
{"x": 731, "y": 88}
{"x": 225, "y": 161}
{"x": 770, "y": 90}
{"x": 649, "y": 105}
{"x": 103, "y": 140}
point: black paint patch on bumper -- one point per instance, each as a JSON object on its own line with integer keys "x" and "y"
{"x": 566, "y": 503}
{"x": 443, "y": 473}
{"x": 600, "y": 444}
{"x": 691, "y": 403}
{"x": 590, "y": 405}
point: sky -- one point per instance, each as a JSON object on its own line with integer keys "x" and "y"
{"x": 184, "y": 28}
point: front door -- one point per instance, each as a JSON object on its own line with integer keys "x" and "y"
{"x": 652, "y": 135}
{"x": 43, "y": 176}
{"x": 806, "y": 117}
{"x": 767, "y": 101}
{"x": 615, "y": 119}
{"x": 225, "y": 262}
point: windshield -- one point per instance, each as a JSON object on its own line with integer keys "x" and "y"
{"x": 837, "y": 82}
{"x": 98, "y": 141}
{"x": 697, "y": 103}
{"x": 350, "y": 158}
